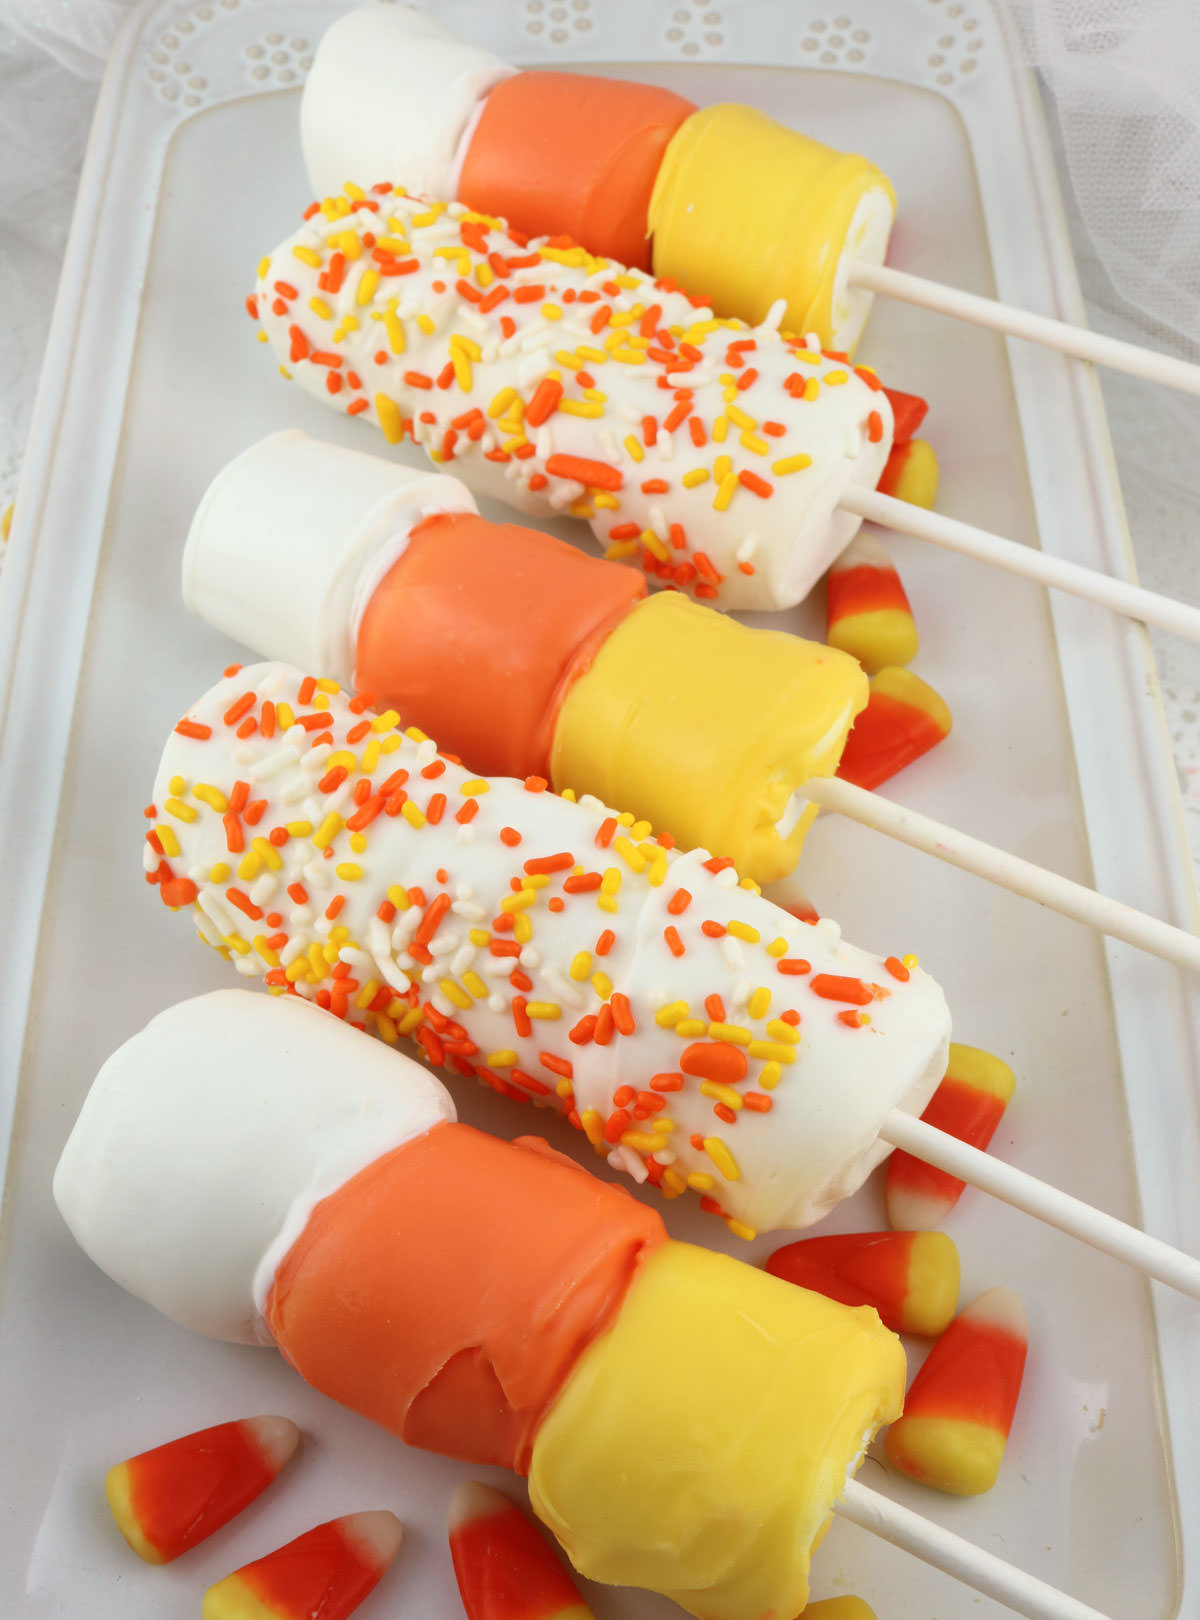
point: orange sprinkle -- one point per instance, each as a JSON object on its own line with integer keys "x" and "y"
{"x": 794, "y": 965}
{"x": 835, "y": 988}
{"x": 235, "y": 841}
{"x": 622, "y": 1014}
{"x": 874, "y": 427}
{"x": 715, "y": 1060}
{"x": 536, "y": 784}
{"x": 715, "y": 1008}
{"x": 758, "y": 486}
{"x": 596, "y": 474}
{"x": 674, "y": 944}
{"x": 544, "y": 402}
{"x": 334, "y": 907}
{"x": 550, "y": 863}
{"x": 851, "y": 1018}
{"x": 193, "y": 728}
{"x": 714, "y": 930}
{"x": 510, "y": 836}
{"x": 606, "y": 942}
{"x": 679, "y": 902}
{"x": 241, "y": 707}
{"x": 467, "y": 812}
{"x": 298, "y": 893}
{"x": 757, "y": 1102}
{"x": 897, "y": 969}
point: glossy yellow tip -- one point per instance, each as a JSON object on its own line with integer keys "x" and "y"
{"x": 950, "y": 1454}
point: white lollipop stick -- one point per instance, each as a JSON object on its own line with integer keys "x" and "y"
{"x": 1045, "y": 1203}
{"x": 983, "y": 1571}
{"x": 1134, "y": 601}
{"x": 1076, "y": 341}
{"x": 1022, "y": 877}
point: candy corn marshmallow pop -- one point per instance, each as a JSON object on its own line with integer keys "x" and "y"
{"x": 518, "y": 653}
{"x": 687, "y": 1423}
{"x": 721, "y": 200}
{"x": 699, "y": 1036}
{"x": 733, "y": 462}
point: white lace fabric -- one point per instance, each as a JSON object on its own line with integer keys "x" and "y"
{"x": 1122, "y": 94}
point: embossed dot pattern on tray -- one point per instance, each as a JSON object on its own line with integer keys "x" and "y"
{"x": 835, "y": 41}
{"x": 695, "y": 31}
{"x": 954, "y": 50}
{"x": 557, "y": 22}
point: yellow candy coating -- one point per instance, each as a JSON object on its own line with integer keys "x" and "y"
{"x": 881, "y": 637}
{"x": 745, "y": 1403}
{"x": 714, "y": 760}
{"x": 745, "y": 211}
{"x": 118, "y": 1490}
{"x": 950, "y": 1454}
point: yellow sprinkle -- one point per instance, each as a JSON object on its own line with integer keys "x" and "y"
{"x": 543, "y": 1009}
{"x": 484, "y": 274}
{"x": 263, "y": 266}
{"x": 673, "y": 1182}
{"x": 697, "y": 475}
{"x": 777, "y": 947}
{"x": 518, "y": 902}
{"x": 522, "y": 929}
{"x": 250, "y": 865}
{"x": 740, "y": 419}
{"x": 741, "y": 930}
{"x": 427, "y": 324}
{"x": 760, "y": 1002}
{"x": 667, "y": 1017}
{"x": 580, "y": 407}
{"x": 628, "y": 355}
{"x": 834, "y": 378}
{"x": 390, "y": 419}
{"x": 752, "y": 442}
{"x": 475, "y": 786}
{"x": 502, "y": 1060}
{"x": 358, "y": 842}
{"x": 501, "y": 402}
{"x": 602, "y": 985}
{"x": 581, "y": 966}
{"x": 475, "y": 985}
{"x": 269, "y": 956}
{"x": 619, "y": 549}
{"x": 726, "y": 1094}
{"x": 355, "y": 193}
{"x": 370, "y": 756}
{"x": 725, "y": 494}
{"x": 394, "y": 327}
{"x": 564, "y": 357}
{"x": 393, "y": 244}
{"x": 328, "y": 830}
{"x": 284, "y": 718}
{"x": 551, "y": 312}
{"x": 593, "y": 1126}
{"x": 701, "y": 1181}
{"x": 654, "y": 545}
{"x": 630, "y": 854}
{"x": 779, "y": 1030}
{"x": 367, "y": 288}
{"x": 773, "y": 1051}
{"x": 811, "y": 389}
{"x": 385, "y": 721}
{"x": 689, "y": 1028}
{"x": 411, "y": 1019}
{"x": 238, "y": 944}
{"x": 479, "y": 937}
{"x": 722, "y": 1158}
{"x": 719, "y": 429}
{"x": 348, "y": 871}
{"x": 455, "y": 993}
{"x": 297, "y": 969}
{"x": 320, "y": 308}
{"x": 461, "y": 257}
{"x": 349, "y": 243}
{"x": 740, "y": 1229}
{"x": 182, "y": 812}
{"x": 910, "y": 962}
{"x": 391, "y": 742}
{"x": 791, "y": 464}
{"x": 610, "y": 883}
{"x": 387, "y": 1028}
{"x": 299, "y": 829}
{"x": 411, "y": 814}
{"x": 769, "y": 1076}
{"x": 463, "y": 374}
{"x": 468, "y": 345}
{"x": 367, "y": 994}
{"x": 640, "y": 1141}
{"x": 733, "y": 1033}
{"x": 169, "y": 842}
{"x": 271, "y": 856}
{"x": 219, "y": 872}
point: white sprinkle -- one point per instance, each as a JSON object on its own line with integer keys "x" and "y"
{"x": 658, "y": 521}
{"x": 544, "y": 443}
{"x": 774, "y": 316}
{"x": 463, "y": 959}
{"x": 263, "y": 889}
{"x": 296, "y": 946}
{"x": 607, "y": 440}
{"x": 624, "y": 1158}
{"x": 747, "y": 548}
{"x": 497, "y": 1004}
{"x": 665, "y": 446}
{"x": 731, "y": 949}
{"x": 468, "y": 910}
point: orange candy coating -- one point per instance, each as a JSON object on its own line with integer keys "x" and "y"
{"x": 968, "y": 1104}
{"x": 959, "y": 1411}
{"x": 572, "y": 154}
{"x": 168, "y": 1499}
{"x": 910, "y": 1278}
{"x": 477, "y": 631}
{"x": 361, "y": 1310}
{"x": 506, "y": 1569}
{"x": 323, "y": 1575}
{"x": 904, "y": 718}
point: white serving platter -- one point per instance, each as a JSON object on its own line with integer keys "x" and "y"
{"x": 153, "y": 380}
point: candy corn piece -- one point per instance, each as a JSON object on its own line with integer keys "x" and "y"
{"x": 911, "y": 1278}
{"x": 505, "y": 1567}
{"x": 866, "y": 610}
{"x": 168, "y": 1499}
{"x": 904, "y": 718}
{"x": 322, "y": 1575}
{"x": 911, "y": 473}
{"x": 840, "y": 1608}
{"x": 908, "y": 412}
{"x": 968, "y": 1104}
{"x": 960, "y": 1408}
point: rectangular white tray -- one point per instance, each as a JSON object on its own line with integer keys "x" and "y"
{"x": 153, "y": 381}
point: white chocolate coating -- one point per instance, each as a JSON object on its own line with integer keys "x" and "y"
{"x": 866, "y": 243}
{"x": 616, "y": 932}
{"x": 390, "y": 86}
{"x": 228, "y": 1094}
{"x": 328, "y": 521}
{"x": 736, "y": 502}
